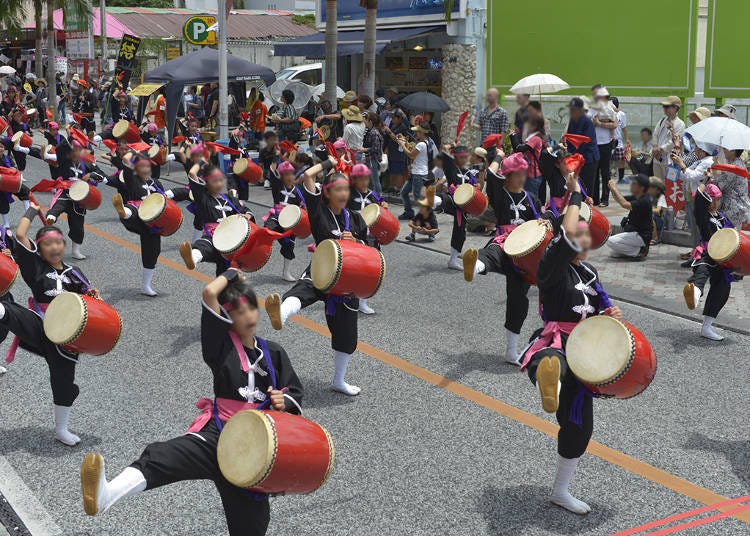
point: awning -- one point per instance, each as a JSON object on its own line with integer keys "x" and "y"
{"x": 314, "y": 46}
{"x": 145, "y": 90}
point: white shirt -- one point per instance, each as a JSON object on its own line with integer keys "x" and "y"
{"x": 605, "y": 112}
{"x": 696, "y": 173}
{"x": 354, "y": 134}
{"x": 419, "y": 165}
{"x": 662, "y": 201}
{"x": 438, "y": 173}
{"x": 663, "y": 138}
{"x": 622, "y": 122}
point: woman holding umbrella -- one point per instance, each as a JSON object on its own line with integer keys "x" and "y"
{"x": 735, "y": 201}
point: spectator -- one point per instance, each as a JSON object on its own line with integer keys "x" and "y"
{"x": 258, "y": 114}
{"x": 194, "y": 104}
{"x": 205, "y": 92}
{"x": 728, "y": 111}
{"x": 420, "y": 169}
{"x": 534, "y": 109}
{"x": 519, "y": 120}
{"x": 735, "y": 203}
{"x": 287, "y": 119}
{"x": 365, "y": 104}
{"x": 354, "y": 130}
{"x": 159, "y": 110}
{"x": 331, "y": 118}
{"x": 373, "y": 146}
{"x": 641, "y": 160}
{"x": 61, "y": 99}
{"x": 667, "y": 130}
{"x": 623, "y": 140}
{"x": 532, "y": 148}
{"x": 659, "y": 207}
{"x": 493, "y": 119}
{"x": 581, "y": 124}
{"x": 604, "y": 117}
{"x": 397, "y": 160}
{"x": 424, "y": 223}
{"x": 638, "y": 226}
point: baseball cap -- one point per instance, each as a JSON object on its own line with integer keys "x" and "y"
{"x": 576, "y": 103}
{"x": 672, "y": 101}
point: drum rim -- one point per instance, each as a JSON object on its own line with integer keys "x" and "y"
{"x": 242, "y": 242}
{"x": 625, "y": 369}
{"x": 153, "y": 146}
{"x": 339, "y": 265}
{"x": 377, "y": 210}
{"x": 473, "y": 189}
{"x": 75, "y": 183}
{"x": 13, "y": 281}
{"x": 161, "y": 212}
{"x": 530, "y": 249}
{"x": 234, "y": 166}
{"x": 591, "y": 213}
{"x": 299, "y": 219}
{"x": 738, "y": 243}
{"x": 120, "y": 122}
{"x": 17, "y": 136}
{"x": 81, "y": 325}
{"x": 271, "y": 452}
{"x": 331, "y": 458}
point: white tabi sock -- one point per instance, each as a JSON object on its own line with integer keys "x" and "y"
{"x": 148, "y": 275}
{"x": 62, "y": 414}
{"x": 130, "y": 482}
{"x": 365, "y": 308}
{"x": 479, "y": 267}
{"x": 26, "y": 204}
{"x": 566, "y": 468}
{"x": 341, "y": 363}
{"x": 511, "y": 347}
{"x": 290, "y": 307}
{"x": 98, "y": 494}
{"x": 197, "y": 256}
{"x": 128, "y": 213}
{"x": 453, "y": 261}
{"x": 197, "y": 233}
{"x": 287, "y": 273}
{"x": 77, "y": 252}
{"x": 708, "y": 332}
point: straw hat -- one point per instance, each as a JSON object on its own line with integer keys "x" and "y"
{"x": 352, "y": 113}
{"x": 349, "y": 96}
{"x": 672, "y": 101}
{"x": 700, "y": 114}
{"x": 657, "y": 183}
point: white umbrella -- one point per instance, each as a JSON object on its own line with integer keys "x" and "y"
{"x": 7, "y": 69}
{"x": 302, "y": 92}
{"x": 538, "y": 84}
{"x": 321, "y": 88}
{"x": 721, "y": 131}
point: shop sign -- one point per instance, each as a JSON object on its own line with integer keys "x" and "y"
{"x": 394, "y": 12}
{"x": 196, "y": 30}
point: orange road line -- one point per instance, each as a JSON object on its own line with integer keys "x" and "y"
{"x": 615, "y": 457}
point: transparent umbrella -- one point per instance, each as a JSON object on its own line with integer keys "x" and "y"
{"x": 302, "y": 92}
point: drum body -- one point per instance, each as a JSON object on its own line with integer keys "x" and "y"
{"x": 383, "y": 224}
{"x": 50, "y": 149}
{"x": 22, "y": 139}
{"x": 10, "y": 180}
{"x": 158, "y": 154}
{"x": 275, "y": 452}
{"x": 731, "y": 249}
{"x": 86, "y": 195}
{"x": 88, "y": 157}
{"x": 296, "y": 218}
{"x": 161, "y": 214}
{"x": 470, "y": 199}
{"x": 599, "y": 226}
{"x": 612, "y": 358}
{"x": 8, "y": 274}
{"x": 247, "y": 170}
{"x": 236, "y": 239}
{"x": 525, "y": 246}
{"x": 82, "y": 324}
{"x": 125, "y": 129}
{"x": 3, "y": 125}
{"x": 345, "y": 268}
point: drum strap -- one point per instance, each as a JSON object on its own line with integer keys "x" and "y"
{"x": 301, "y": 197}
{"x": 229, "y": 202}
{"x": 86, "y": 284}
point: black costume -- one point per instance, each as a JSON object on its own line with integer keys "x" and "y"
{"x": 19, "y": 155}
{"x": 283, "y": 196}
{"x": 455, "y": 177}
{"x": 341, "y": 313}
{"x": 193, "y": 456}
{"x": 7, "y": 160}
{"x": 84, "y": 104}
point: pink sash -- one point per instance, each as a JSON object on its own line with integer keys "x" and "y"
{"x": 225, "y": 406}
{"x": 505, "y": 231}
{"x": 32, "y": 306}
{"x": 549, "y": 338}
{"x": 210, "y": 228}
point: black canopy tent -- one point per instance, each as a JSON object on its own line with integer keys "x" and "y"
{"x": 201, "y": 67}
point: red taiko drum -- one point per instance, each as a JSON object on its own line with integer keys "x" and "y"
{"x": 88, "y": 157}
{"x": 161, "y": 214}
{"x": 345, "y": 268}
{"x": 22, "y": 139}
{"x": 10, "y": 180}
{"x": 8, "y": 273}
{"x": 158, "y": 154}
{"x": 470, "y": 199}
{"x": 3, "y": 125}
{"x": 125, "y": 129}
{"x": 82, "y": 324}
{"x": 296, "y": 218}
{"x": 599, "y": 226}
{"x": 49, "y": 150}
{"x": 612, "y": 358}
{"x": 236, "y": 238}
{"x": 86, "y": 195}
{"x": 383, "y": 224}
{"x": 275, "y": 452}
{"x": 731, "y": 249}
{"x": 247, "y": 170}
{"x": 525, "y": 246}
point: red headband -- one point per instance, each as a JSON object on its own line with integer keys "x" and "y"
{"x": 231, "y": 305}
{"x": 336, "y": 182}
{"x": 216, "y": 174}
{"x": 49, "y": 234}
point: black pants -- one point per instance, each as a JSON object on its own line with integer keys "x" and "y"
{"x": 516, "y": 288}
{"x": 458, "y": 235}
{"x": 720, "y": 287}
{"x": 572, "y": 439}
{"x": 603, "y": 175}
{"x": 191, "y": 458}
{"x": 287, "y": 244}
{"x": 588, "y": 177}
{"x": 155, "y": 171}
{"x": 6, "y": 199}
{"x": 76, "y": 216}
{"x": 242, "y": 187}
{"x": 638, "y": 166}
{"x": 342, "y": 325}
{"x": 210, "y": 254}
{"x": 21, "y": 157}
{"x": 150, "y": 242}
{"x": 28, "y": 327}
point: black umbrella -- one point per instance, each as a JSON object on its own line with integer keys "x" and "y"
{"x": 424, "y": 101}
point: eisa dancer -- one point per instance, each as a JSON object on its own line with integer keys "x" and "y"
{"x": 512, "y": 206}
{"x": 286, "y": 191}
{"x": 329, "y": 219}
{"x": 248, "y": 373}
{"x": 569, "y": 292}
{"x": 8, "y": 160}
{"x": 456, "y": 174}
{"x": 42, "y": 268}
{"x": 212, "y": 206}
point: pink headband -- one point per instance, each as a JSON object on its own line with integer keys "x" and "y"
{"x": 286, "y": 167}
{"x": 49, "y": 234}
{"x": 232, "y": 305}
{"x": 52, "y": 125}
{"x": 462, "y": 153}
{"x": 216, "y": 174}
{"x": 335, "y": 183}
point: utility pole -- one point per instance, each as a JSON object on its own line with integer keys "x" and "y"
{"x": 222, "y": 130}
{"x": 91, "y": 52}
{"x": 103, "y": 32}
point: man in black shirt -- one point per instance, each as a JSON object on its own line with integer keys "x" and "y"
{"x": 638, "y": 227}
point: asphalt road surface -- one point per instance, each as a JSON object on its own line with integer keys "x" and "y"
{"x": 444, "y": 439}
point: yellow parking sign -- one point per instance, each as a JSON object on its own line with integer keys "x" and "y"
{"x": 196, "y": 30}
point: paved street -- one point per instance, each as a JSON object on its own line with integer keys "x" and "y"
{"x": 444, "y": 439}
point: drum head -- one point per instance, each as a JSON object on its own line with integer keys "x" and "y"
{"x": 584, "y": 213}
{"x": 153, "y": 151}
{"x": 247, "y": 448}
{"x": 65, "y": 318}
{"x": 463, "y": 194}
{"x": 525, "y": 238}
{"x": 79, "y": 190}
{"x": 120, "y": 128}
{"x": 152, "y": 207}
{"x": 290, "y": 216}
{"x": 724, "y": 244}
{"x": 599, "y": 349}
{"x": 371, "y": 214}
{"x": 231, "y": 233}
{"x": 325, "y": 267}
{"x": 240, "y": 166}
{"x": 17, "y": 136}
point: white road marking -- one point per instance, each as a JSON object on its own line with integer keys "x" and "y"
{"x": 25, "y": 503}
